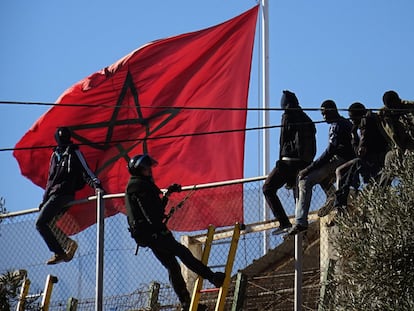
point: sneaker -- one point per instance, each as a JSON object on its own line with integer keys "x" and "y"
{"x": 327, "y": 207}
{"x": 282, "y": 229}
{"x": 56, "y": 258}
{"x": 297, "y": 229}
{"x": 71, "y": 250}
{"x": 218, "y": 279}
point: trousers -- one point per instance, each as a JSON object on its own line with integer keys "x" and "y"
{"x": 283, "y": 173}
{"x": 166, "y": 248}
{"x": 49, "y": 214}
{"x": 305, "y": 187}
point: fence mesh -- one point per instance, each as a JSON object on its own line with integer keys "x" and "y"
{"x": 128, "y": 278}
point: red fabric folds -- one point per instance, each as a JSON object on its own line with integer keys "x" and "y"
{"x": 158, "y": 99}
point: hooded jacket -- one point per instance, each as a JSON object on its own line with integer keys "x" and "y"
{"x": 297, "y": 135}
{"x": 373, "y": 137}
{"x": 68, "y": 172}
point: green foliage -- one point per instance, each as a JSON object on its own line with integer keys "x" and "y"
{"x": 375, "y": 244}
{"x": 10, "y": 284}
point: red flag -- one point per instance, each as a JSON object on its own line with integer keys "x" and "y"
{"x": 156, "y": 100}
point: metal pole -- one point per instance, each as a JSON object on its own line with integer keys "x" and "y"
{"x": 239, "y": 292}
{"x": 265, "y": 105}
{"x": 298, "y": 271}
{"x": 100, "y": 229}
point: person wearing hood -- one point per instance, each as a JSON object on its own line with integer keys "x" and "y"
{"x": 338, "y": 151}
{"x": 68, "y": 173}
{"x": 297, "y": 150}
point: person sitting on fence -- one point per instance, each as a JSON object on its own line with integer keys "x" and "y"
{"x": 397, "y": 119}
{"x": 68, "y": 173}
{"x": 145, "y": 206}
{"x": 339, "y": 151}
{"x": 297, "y": 150}
{"x": 371, "y": 147}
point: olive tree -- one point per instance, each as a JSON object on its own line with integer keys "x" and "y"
{"x": 375, "y": 246}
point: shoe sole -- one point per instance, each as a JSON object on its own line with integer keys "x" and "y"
{"x": 280, "y": 231}
{"x": 325, "y": 210}
{"x": 54, "y": 262}
{"x": 71, "y": 252}
{"x": 293, "y": 233}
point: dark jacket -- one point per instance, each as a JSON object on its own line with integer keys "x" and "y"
{"x": 372, "y": 136}
{"x": 399, "y": 125}
{"x": 145, "y": 207}
{"x": 297, "y": 135}
{"x": 68, "y": 172}
{"x": 339, "y": 145}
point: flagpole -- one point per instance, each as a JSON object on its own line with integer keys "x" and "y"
{"x": 266, "y": 157}
{"x": 265, "y": 104}
{"x": 100, "y": 235}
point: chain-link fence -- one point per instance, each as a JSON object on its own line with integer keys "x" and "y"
{"x": 128, "y": 278}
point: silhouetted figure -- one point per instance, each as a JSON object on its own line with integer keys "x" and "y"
{"x": 68, "y": 173}
{"x": 339, "y": 151}
{"x": 145, "y": 205}
{"x": 297, "y": 150}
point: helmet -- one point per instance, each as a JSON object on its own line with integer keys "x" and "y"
{"x": 62, "y": 136}
{"x": 140, "y": 161}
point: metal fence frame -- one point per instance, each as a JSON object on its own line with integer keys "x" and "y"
{"x": 100, "y": 198}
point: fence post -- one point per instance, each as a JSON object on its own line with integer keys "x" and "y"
{"x": 50, "y": 280}
{"x": 298, "y": 271}
{"x": 196, "y": 249}
{"x": 100, "y": 229}
{"x": 239, "y": 292}
{"x": 24, "y": 291}
{"x": 327, "y": 289}
{"x": 72, "y": 304}
{"x": 153, "y": 296}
